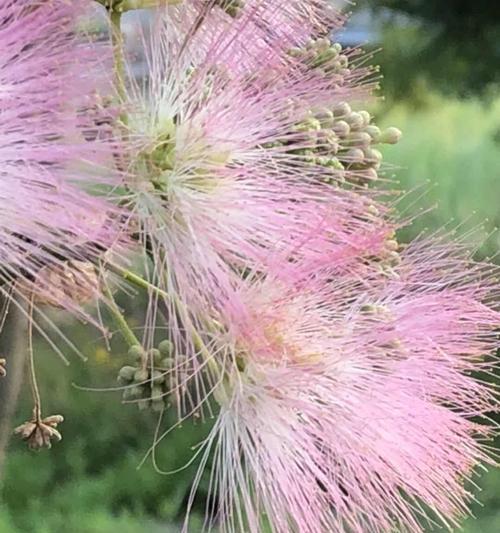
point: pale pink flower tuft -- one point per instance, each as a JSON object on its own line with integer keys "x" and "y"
{"x": 50, "y": 128}
{"x": 352, "y": 408}
{"x": 215, "y": 192}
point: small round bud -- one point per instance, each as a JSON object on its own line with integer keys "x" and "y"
{"x": 156, "y": 356}
{"x": 166, "y": 363}
{"x": 323, "y": 44}
{"x": 354, "y": 155}
{"x": 166, "y": 347}
{"x": 366, "y": 117}
{"x": 156, "y": 393}
{"x": 390, "y": 136}
{"x": 355, "y": 120}
{"x": 141, "y": 375}
{"x": 126, "y": 373}
{"x": 373, "y": 157}
{"x": 360, "y": 138}
{"x": 343, "y": 61}
{"x": 342, "y": 110}
{"x": 136, "y": 352}
{"x": 157, "y": 377}
{"x": 341, "y": 128}
{"x": 132, "y": 393}
{"x": 373, "y": 131}
{"x": 337, "y": 47}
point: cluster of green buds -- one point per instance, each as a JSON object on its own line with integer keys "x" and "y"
{"x": 322, "y": 54}
{"x": 339, "y": 138}
{"x": 345, "y": 141}
{"x": 147, "y": 382}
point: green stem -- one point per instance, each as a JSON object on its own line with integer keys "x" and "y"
{"x": 179, "y": 306}
{"x": 136, "y": 280}
{"x": 37, "y": 408}
{"x": 119, "y": 319}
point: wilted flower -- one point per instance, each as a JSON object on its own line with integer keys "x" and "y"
{"x": 40, "y": 433}
{"x": 352, "y": 406}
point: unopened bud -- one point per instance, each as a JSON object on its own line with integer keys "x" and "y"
{"x": 390, "y": 136}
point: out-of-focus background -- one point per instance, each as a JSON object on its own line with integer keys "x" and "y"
{"x": 440, "y": 61}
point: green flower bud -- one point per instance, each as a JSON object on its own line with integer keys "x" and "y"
{"x": 354, "y": 155}
{"x": 141, "y": 375}
{"x": 126, "y": 373}
{"x": 166, "y": 363}
{"x": 341, "y": 128}
{"x": 343, "y": 61}
{"x": 342, "y": 110}
{"x": 390, "y": 136}
{"x": 156, "y": 356}
{"x": 366, "y": 117}
{"x": 166, "y": 347}
{"x": 355, "y": 120}
{"x": 295, "y": 51}
{"x": 325, "y": 116}
{"x": 337, "y": 47}
{"x": 373, "y": 131}
{"x": 157, "y": 377}
{"x": 136, "y": 352}
{"x": 156, "y": 393}
{"x": 335, "y": 164}
{"x": 132, "y": 393}
{"x": 323, "y": 44}
{"x": 373, "y": 157}
{"x": 360, "y": 138}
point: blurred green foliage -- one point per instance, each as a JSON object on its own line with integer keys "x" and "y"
{"x": 90, "y": 482}
{"x": 451, "y": 44}
{"x": 449, "y": 161}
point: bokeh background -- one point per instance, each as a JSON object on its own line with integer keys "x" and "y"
{"x": 440, "y": 61}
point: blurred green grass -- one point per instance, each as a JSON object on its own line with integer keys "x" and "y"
{"x": 449, "y": 157}
{"x": 89, "y": 483}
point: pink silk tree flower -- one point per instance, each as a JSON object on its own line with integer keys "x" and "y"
{"x": 347, "y": 408}
{"x": 241, "y": 32}
{"x": 51, "y": 127}
{"x": 213, "y": 191}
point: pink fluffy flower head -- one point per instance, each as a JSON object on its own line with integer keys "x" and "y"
{"x": 352, "y": 406}
{"x": 240, "y": 32}
{"x": 47, "y": 136}
{"x": 218, "y": 182}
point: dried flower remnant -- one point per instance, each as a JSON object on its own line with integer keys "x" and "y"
{"x": 40, "y": 433}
